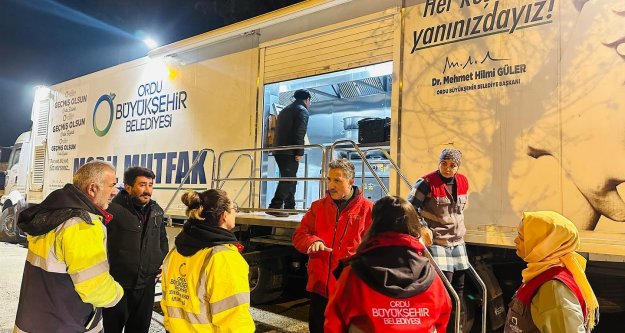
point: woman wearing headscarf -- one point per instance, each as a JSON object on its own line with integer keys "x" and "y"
{"x": 388, "y": 285}
{"x": 555, "y": 296}
{"x": 205, "y": 278}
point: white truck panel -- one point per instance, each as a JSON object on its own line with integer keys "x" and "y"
{"x": 209, "y": 104}
{"x": 534, "y": 111}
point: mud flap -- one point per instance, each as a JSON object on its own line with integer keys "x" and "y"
{"x": 496, "y": 311}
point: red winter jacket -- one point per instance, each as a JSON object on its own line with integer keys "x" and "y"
{"x": 389, "y": 287}
{"x": 341, "y": 232}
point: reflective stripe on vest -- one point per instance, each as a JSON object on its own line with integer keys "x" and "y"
{"x": 193, "y": 318}
{"x": 51, "y": 264}
{"x": 90, "y": 272}
{"x": 219, "y": 306}
{"x": 96, "y": 329}
{"x": 229, "y": 302}
{"x": 69, "y": 223}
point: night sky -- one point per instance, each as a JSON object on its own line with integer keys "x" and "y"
{"x": 45, "y": 42}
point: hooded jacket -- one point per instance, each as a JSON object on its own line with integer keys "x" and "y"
{"x": 396, "y": 287}
{"x": 66, "y": 279}
{"x": 205, "y": 282}
{"x": 341, "y": 230}
{"x": 136, "y": 249}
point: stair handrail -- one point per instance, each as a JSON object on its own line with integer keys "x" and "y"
{"x": 219, "y": 179}
{"x": 363, "y": 158}
{"x": 188, "y": 173}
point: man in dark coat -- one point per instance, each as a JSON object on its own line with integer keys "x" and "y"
{"x": 290, "y": 131}
{"x": 137, "y": 244}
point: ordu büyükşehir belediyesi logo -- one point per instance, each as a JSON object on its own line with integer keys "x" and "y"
{"x": 106, "y": 100}
{"x": 152, "y": 110}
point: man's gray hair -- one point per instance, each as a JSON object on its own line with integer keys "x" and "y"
{"x": 91, "y": 172}
{"x": 348, "y": 167}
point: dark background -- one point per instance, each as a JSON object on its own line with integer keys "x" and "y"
{"x": 44, "y": 42}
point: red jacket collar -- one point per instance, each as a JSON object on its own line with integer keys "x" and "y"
{"x": 106, "y": 215}
{"x": 526, "y": 291}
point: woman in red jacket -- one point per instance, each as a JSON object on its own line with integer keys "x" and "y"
{"x": 388, "y": 285}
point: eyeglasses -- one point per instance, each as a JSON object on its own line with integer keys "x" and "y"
{"x": 235, "y": 207}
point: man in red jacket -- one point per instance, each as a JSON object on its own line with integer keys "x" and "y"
{"x": 331, "y": 230}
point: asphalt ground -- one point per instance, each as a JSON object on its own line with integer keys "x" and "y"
{"x": 288, "y": 314}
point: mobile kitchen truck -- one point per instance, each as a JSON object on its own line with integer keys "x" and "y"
{"x": 529, "y": 90}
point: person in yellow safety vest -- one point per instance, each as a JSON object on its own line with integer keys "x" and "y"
{"x": 205, "y": 278}
{"x": 66, "y": 280}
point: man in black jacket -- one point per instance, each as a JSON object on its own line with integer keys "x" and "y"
{"x": 137, "y": 244}
{"x": 290, "y": 131}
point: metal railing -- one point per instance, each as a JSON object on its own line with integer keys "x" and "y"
{"x": 450, "y": 290}
{"x": 221, "y": 180}
{"x": 477, "y": 279}
{"x": 363, "y": 157}
{"x": 186, "y": 176}
{"x": 234, "y": 164}
{"x": 392, "y": 163}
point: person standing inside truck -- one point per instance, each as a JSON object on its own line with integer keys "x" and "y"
{"x": 291, "y": 129}
{"x": 331, "y": 230}
{"x": 441, "y": 197}
{"x": 66, "y": 280}
{"x": 396, "y": 286}
{"x": 555, "y": 295}
{"x": 137, "y": 244}
{"x": 205, "y": 278}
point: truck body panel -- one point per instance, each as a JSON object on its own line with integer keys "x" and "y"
{"x": 507, "y": 93}
{"x": 155, "y": 115}
{"x": 530, "y": 91}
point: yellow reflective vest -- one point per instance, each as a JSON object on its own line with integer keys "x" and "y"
{"x": 206, "y": 292}
{"x": 66, "y": 279}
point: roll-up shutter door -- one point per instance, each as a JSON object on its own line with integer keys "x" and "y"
{"x": 40, "y": 117}
{"x": 355, "y": 43}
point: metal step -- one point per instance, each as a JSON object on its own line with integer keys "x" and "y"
{"x": 272, "y": 239}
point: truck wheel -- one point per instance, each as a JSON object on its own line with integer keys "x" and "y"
{"x": 467, "y": 317}
{"x": 8, "y": 225}
{"x": 267, "y": 280}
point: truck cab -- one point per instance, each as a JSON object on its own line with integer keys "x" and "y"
{"x": 15, "y": 188}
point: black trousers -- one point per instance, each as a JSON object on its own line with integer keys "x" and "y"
{"x": 457, "y": 282}
{"x": 133, "y": 312}
{"x": 285, "y": 192}
{"x": 316, "y": 312}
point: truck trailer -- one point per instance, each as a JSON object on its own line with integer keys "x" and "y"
{"x": 529, "y": 90}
